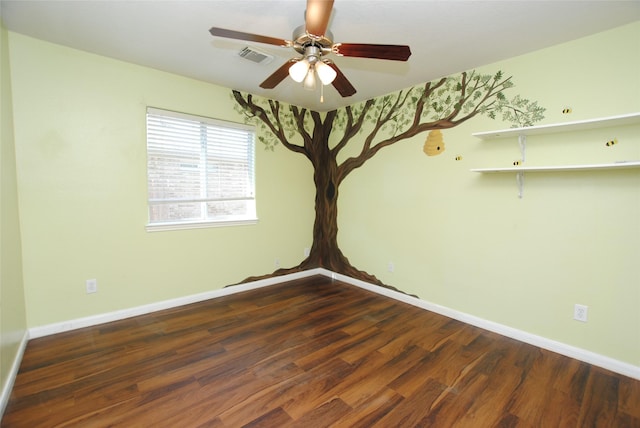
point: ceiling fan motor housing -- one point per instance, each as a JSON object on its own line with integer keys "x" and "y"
{"x": 302, "y": 41}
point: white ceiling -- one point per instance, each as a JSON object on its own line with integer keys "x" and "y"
{"x": 445, "y": 37}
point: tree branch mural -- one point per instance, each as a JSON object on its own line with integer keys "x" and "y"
{"x": 321, "y": 137}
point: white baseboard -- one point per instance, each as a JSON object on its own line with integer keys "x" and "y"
{"x": 61, "y": 327}
{"x": 580, "y": 354}
{"x": 13, "y": 373}
{"x": 605, "y": 362}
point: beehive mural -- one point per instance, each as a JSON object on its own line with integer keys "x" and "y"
{"x": 434, "y": 145}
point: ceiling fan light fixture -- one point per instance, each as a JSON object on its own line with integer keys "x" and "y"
{"x": 299, "y": 70}
{"x": 309, "y": 82}
{"x": 325, "y": 72}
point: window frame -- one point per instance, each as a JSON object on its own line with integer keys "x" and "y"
{"x": 203, "y": 122}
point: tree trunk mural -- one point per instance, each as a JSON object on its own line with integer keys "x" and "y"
{"x": 390, "y": 119}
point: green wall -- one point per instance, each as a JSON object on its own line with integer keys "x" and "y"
{"x": 81, "y": 151}
{"x": 12, "y": 305}
{"x": 457, "y": 238}
{"x": 465, "y": 241}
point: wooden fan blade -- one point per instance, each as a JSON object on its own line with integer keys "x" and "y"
{"x": 278, "y": 76}
{"x": 364, "y": 50}
{"x": 317, "y": 16}
{"x": 342, "y": 85}
{"x": 232, "y": 34}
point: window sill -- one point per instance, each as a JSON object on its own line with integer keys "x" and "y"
{"x": 161, "y": 227}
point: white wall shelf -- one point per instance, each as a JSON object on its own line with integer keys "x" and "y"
{"x": 603, "y": 166}
{"x": 580, "y": 125}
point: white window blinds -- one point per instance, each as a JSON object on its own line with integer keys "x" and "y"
{"x": 200, "y": 170}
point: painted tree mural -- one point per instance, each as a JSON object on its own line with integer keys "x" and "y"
{"x": 390, "y": 119}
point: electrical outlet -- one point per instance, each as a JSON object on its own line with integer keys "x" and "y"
{"x": 92, "y": 285}
{"x": 306, "y": 252}
{"x": 391, "y": 267}
{"x": 276, "y": 263}
{"x": 580, "y": 312}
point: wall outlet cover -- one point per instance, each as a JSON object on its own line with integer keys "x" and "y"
{"x": 580, "y": 312}
{"x": 91, "y": 285}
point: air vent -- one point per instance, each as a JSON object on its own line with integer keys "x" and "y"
{"x": 254, "y": 55}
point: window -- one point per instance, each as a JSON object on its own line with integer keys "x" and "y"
{"x": 200, "y": 171}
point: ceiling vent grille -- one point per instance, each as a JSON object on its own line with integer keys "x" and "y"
{"x": 256, "y": 56}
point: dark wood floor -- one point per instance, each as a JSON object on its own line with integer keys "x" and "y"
{"x": 310, "y": 353}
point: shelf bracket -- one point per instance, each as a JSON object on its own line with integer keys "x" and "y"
{"x": 520, "y": 183}
{"x": 522, "y": 142}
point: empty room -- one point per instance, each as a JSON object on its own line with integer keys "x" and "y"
{"x": 343, "y": 213}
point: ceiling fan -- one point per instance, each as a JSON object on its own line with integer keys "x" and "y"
{"x": 313, "y": 41}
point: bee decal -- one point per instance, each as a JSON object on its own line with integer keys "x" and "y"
{"x": 458, "y": 157}
{"x": 611, "y": 142}
{"x": 434, "y": 145}
{"x": 566, "y": 110}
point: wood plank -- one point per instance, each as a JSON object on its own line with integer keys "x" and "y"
{"x": 312, "y": 352}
